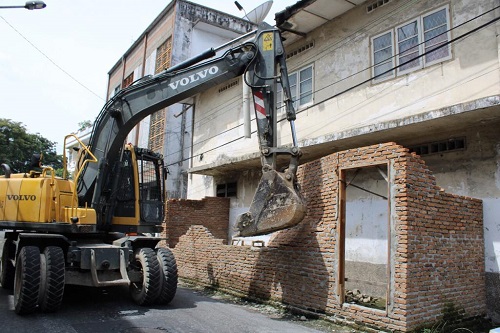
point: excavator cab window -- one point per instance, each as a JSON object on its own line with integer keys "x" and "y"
{"x": 151, "y": 188}
{"x": 125, "y": 199}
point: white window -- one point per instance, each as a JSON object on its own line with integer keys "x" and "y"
{"x": 383, "y": 55}
{"x": 116, "y": 90}
{"x": 410, "y": 41}
{"x": 301, "y": 87}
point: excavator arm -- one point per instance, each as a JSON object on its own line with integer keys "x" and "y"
{"x": 277, "y": 203}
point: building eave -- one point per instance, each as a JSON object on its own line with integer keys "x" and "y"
{"x": 402, "y": 130}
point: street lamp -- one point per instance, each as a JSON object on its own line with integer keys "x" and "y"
{"x": 29, "y": 5}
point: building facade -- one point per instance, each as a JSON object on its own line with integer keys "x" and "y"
{"x": 424, "y": 74}
{"x": 182, "y": 30}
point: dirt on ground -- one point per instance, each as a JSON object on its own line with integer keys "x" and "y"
{"x": 276, "y": 311}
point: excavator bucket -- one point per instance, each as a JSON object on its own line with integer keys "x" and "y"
{"x": 276, "y": 205}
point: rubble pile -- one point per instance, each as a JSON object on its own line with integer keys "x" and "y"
{"x": 356, "y": 297}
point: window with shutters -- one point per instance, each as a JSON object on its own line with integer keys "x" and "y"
{"x": 163, "y": 55}
{"x": 128, "y": 80}
{"x": 157, "y": 121}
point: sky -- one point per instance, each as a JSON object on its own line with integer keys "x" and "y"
{"x": 54, "y": 61}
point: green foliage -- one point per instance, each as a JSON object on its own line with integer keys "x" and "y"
{"x": 84, "y": 125}
{"x": 452, "y": 313}
{"x": 17, "y": 146}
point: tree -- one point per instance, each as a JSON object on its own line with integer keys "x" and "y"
{"x": 17, "y": 146}
{"x": 83, "y": 125}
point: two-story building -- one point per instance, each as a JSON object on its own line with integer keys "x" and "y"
{"x": 424, "y": 74}
{"x": 182, "y": 30}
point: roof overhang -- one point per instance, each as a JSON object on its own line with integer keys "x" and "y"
{"x": 306, "y": 15}
{"x": 405, "y": 131}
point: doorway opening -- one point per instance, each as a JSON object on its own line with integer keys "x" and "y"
{"x": 364, "y": 236}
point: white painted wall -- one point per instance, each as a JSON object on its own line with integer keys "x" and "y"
{"x": 341, "y": 57}
{"x": 367, "y": 231}
{"x": 472, "y": 74}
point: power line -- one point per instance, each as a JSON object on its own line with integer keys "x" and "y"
{"x": 453, "y": 40}
{"x": 49, "y": 59}
{"x": 333, "y": 47}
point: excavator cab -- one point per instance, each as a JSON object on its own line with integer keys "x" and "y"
{"x": 138, "y": 195}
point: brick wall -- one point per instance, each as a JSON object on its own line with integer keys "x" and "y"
{"x": 180, "y": 214}
{"x": 436, "y": 260}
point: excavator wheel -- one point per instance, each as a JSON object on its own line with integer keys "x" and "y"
{"x": 52, "y": 282}
{"x": 7, "y": 270}
{"x": 168, "y": 270}
{"x": 147, "y": 290}
{"x": 27, "y": 280}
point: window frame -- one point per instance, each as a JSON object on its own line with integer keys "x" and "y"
{"x": 421, "y": 45}
{"x": 226, "y": 190}
{"x": 116, "y": 90}
{"x": 297, "y": 93}
{"x": 391, "y": 60}
{"x": 128, "y": 80}
{"x": 448, "y": 34}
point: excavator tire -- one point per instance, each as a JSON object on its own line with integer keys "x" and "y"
{"x": 52, "y": 285}
{"x": 146, "y": 292}
{"x": 168, "y": 269}
{"x": 27, "y": 280}
{"x": 7, "y": 270}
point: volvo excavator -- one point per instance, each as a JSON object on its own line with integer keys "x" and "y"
{"x": 96, "y": 229}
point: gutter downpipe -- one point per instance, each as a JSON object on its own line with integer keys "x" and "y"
{"x": 247, "y": 125}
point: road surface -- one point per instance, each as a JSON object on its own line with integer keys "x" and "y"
{"x": 92, "y": 310}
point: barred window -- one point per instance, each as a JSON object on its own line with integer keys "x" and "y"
{"x": 163, "y": 55}
{"x": 128, "y": 80}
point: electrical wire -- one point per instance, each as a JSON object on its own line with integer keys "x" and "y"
{"x": 453, "y": 40}
{"x": 396, "y": 55}
{"x": 404, "y": 6}
{"x": 52, "y": 61}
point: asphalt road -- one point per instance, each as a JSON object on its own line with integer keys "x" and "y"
{"x": 92, "y": 310}
{"x": 97, "y": 310}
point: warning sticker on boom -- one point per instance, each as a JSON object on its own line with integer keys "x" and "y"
{"x": 268, "y": 41}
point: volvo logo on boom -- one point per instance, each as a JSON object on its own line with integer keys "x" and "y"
{"x": 194, "y": 77}
{"x": 22, "y": 197}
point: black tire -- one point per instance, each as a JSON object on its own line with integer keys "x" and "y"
{"x": 52, "y": 285}
{"x": 168, "y": 270}
{"x": 7, "y": 270}
{"x": 27, "y": 280}
{"x": 146, "y": 291}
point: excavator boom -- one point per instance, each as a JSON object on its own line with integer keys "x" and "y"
{"x": 277, "y": 203}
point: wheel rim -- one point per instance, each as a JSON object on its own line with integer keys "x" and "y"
{"x": 147, "y": 290}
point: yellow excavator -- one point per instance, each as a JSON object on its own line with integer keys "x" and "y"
{"x": 95, "y": 229}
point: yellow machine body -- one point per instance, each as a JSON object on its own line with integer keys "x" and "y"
{"x": 130, "y": 220}
{"x": 40, "y": 198}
